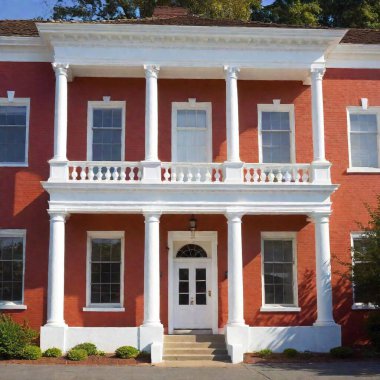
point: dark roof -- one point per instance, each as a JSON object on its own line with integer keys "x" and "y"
{"x": 27, "y": 28}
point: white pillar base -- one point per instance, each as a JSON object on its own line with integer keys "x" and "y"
{"x": 53, "y": 336}
{"x": 320, "y": 172}
{"x": 237, "y": 340}
{"x": 324, "y": 323}
{"x": 233, "y": 172}
{"x": 59, "y": 170}
{"x": 151, "y": 339}
{"x": 151, "y": 171}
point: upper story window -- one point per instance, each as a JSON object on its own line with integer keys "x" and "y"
{"x": 191, "y": 132}
{"x": 12, "y": 252}
{"x": 276, "y": 133}
{"x": 14, "y": 129}
{"x": 364, "y": 137}
{"x": 106, "y": 131}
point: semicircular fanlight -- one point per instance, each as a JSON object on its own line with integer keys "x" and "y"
{"x": 191, "y": 250}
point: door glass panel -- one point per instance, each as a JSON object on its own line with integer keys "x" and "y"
{"x": 200, "y": 286}
{"x": 183, "y": 286}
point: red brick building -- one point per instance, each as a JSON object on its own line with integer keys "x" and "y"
{"x": 195, "y": 176}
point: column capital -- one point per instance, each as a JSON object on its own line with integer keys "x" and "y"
{"x": 317, "y": 73}
{"x": 319, "y": 217}
{"x": 231, "y": 72}
{"x": 234, "y": 216}
{"x": 61, "y": 68}
{"x": 58, "y": 216}
{"x": 151, "y": 71}
{"x": 152, "y": 216}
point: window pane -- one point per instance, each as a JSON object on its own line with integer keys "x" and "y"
{"x": 200, "y": 299}
{"x": 363, "y": 123}
{"x": 183, "y": 299}
{"x": 275, "y": 121}
{"x": 364, "y": 149}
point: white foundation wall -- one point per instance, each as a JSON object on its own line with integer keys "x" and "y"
{"x": 301, "y": 338}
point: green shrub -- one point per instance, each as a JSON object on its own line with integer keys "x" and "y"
{"x": 52, "y": 353}
{"x": 127, "y": 352}
{"x": 342, "y": 352}
{"x": 373, "y": 329}
{"x": 90, "y": 348}
{"x": 100, "y": 353}
{"x": 266, "y": 352}
{"x": 31, "y": 353}
{"x": 14, "y": 337}
{"x": 290, "y": 352}
{"x": 77, "y": 354}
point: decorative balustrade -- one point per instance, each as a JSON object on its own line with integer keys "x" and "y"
{"x": 277, "y": 173}
{"x": 104, "y": 171}
{"x": 192, "y": 172}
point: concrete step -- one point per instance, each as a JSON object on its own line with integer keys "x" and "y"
{"x": 192, "y": 332}
{"x": 197, "y": 357}
{"x": 189, "y": 345}
{"x": 194, "y": 351}
{"x": 194, "y": 338}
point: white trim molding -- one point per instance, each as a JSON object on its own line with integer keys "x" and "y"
{"x": 280, "y": 235}
{"x": 104, "y": 104}
{"x": 277, "y": 108}
{"x": 193, "y": 105}
{"x": 16, "y": 305}
{"x": 104, "y": 307}
{"x": 358, "y": 110}
{"x": 19, "y": 102}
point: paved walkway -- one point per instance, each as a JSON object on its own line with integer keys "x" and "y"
{"x": 338, "y": 371}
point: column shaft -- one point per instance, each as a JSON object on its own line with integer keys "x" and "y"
{"x": 152, "y": 270}
{"x": 56, "y": 271}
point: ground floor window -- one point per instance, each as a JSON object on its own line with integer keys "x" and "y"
{"x": 12, "y": 248}
{"x": 279, "y": 269}
{"x": 105, "y": 269}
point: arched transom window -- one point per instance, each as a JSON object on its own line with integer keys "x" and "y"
{"x": 191, "y": 250}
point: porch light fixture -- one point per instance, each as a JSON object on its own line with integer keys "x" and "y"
{"x": 192, "y": 226}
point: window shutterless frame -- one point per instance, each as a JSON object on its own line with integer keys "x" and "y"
{"x": 19, "y": 102}
{"x": 104, "y": 306}
{"x": 19, "y": 304}
{"x": 358, "y": 305}
{"x": 274, "y": 235}
{"x": 183, "y": 106}
{"x": 90, "y": 115}
{"x": 277, "y": 108}
{"x": 361, "y": 111}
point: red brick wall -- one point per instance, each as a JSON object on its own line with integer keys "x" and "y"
{"x": 23, "y": 201}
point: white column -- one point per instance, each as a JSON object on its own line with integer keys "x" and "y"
{"x": 323, "y": 270}
{"x": 151, "y": 165}
{"x": 233, "y": 166}
{"x": 152, "y": 270}
{"x": 56, "y": 273}
{"x": 235, "y": 271}
{"x": 60, "y": 113}
{"x": 320, "y": 166}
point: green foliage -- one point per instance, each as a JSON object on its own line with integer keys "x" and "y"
{"x": 342, "y": 352}
{"x": 127, "y": 352}
{"x": 31, "y": 353}
{"x": 266, "y": 352}
{"x": 14, "y": 337}
{"x": 100, "y": 353}
{"x": 77, "y": 355}
{"x": 290, "y": 352}
{"x": 52, "y": 353}
{"x": 373, "y": 329}
{"x": 90, "y": 348}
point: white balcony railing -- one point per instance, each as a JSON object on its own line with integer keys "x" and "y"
{"x": 183, "y": 172}
{"x": 276, "y": 173}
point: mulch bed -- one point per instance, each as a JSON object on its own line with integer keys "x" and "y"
{"x": 92, "y": 360}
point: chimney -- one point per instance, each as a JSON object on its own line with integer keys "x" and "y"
{"x": 164, "y": 11}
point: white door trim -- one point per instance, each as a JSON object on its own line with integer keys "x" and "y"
{"x": 211, "y": 236}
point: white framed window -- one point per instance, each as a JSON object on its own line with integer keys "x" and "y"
{"x": 14, "y": 131}
{"x": 279, "y": 271}
{"x": 12, "y": 269}
{"x": 105, "y": 271}
{"x": 363, "y": 139}
{"x": 106, "y": 130}
{"x": 191, "y": 131}
{"x": 357, "y": 244}
{"x": 276, "y": 128}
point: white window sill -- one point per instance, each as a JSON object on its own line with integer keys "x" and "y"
{"x": 14, "y": 164}
{"x": 363, "y": 170}
{"x": 105, "y": 309}
{"x": 12, "y": 306}
{"x": 280, "y": 309}
{"x": 364, "y": 306}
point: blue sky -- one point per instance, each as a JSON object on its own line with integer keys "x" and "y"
{"x": 26, "y": 9}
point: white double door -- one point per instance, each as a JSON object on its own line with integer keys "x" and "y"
{"x": 192, "y": 294}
